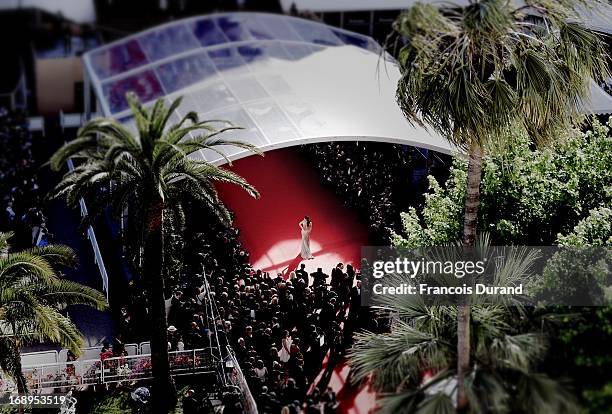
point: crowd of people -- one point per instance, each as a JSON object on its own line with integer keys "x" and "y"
{"x": 281, "y": 330}
{"x": 20, "y": 194}
{"x": 280, "y": 327}
{"x": 359, "y": 173}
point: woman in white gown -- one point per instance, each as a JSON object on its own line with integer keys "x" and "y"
{"x": 285, "y": 352}
{"x": 306, "y": 227}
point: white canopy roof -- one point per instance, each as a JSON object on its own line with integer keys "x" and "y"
{"x": 600, "y": 102}
{"x": 287, "y": 81}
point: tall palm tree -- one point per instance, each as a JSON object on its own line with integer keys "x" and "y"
{"x": 471, "y": 72}
{"x": 31, "y": 296}
{"x": 152, "y": 173}
{"x": 414, "y": 366}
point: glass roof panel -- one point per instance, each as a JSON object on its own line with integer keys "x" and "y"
{"x": 233, "y": 28}
{"x": 278, "y": 27}
{"x": 238, "y": 117}
{"x": 252, "y": 52}
{"x": 118, "y": 59}
{"x": 217, "y": 95}
{"x": 353, "y": 39}
{"x": 299, "y": 51}
{"x": 274, "y": 83}
{"x": 271, "y": 120}
{"x": 144, "y": 84}
{"x": 246, "y": 88}
{"x": 302, "y": 114}
{"x": 168, "y": 41}
{"x": 186, "y": 71}
{"x": 207, "y": 32}
{"x": 257, "y": 29}
{"x": 227, "y": 58}
{"x": 276, "y": 50}
{"x": 315, "y": 33}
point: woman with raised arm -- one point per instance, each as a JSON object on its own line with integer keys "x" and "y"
{"x": 306, "y": 228}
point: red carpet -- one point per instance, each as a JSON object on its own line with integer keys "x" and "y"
{"x": 354, "y": 399}
{"x": 289, "y": 190}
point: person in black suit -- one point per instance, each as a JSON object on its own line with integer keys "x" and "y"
{"x": 337, "y": 275}
{"x": 301, "y": 272}
{"x": 318, "y": 277}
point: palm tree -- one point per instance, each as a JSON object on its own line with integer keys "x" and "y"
{"x": 31, "y": 296}
{"x": 414, "y": 366}
{"x": 471, "y": 72}
{"x": 152, "y": 173}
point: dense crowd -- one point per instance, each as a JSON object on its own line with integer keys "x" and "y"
{"x": 360, "y": 173}
{"x": 280, "y": 327}
{"x": 21, "y": 199}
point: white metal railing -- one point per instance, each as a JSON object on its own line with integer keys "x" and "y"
{"x": 237, "y": 379}
{"x": 111, "y": 370}
{"x": 91, "y": 235}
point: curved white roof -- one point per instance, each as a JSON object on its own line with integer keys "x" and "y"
{"x": 287, "y": 81}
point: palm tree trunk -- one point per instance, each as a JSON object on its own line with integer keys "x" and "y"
{"x": 470, "y": 224}
{"x": 472, "y": 199}
{"x": 13, "y": 354}
{"x": 164, "y": 391}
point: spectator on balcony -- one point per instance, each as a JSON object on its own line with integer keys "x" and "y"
{"x": 106, "y": 352}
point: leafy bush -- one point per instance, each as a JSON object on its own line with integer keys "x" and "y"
{"x": 528, "y": 196}
{"x": 595, "y": 230}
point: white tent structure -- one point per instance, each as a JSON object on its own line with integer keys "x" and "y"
{"x": 287, "y": 81}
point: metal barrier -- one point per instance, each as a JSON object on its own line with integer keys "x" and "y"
{"x": 91, "y": 235}
{"x": 237, "y": 379}
{"x": 113, "y": 370}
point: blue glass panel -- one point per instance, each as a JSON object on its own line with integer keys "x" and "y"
{"x": 144, "y": 84}
{"x": 186, "y": 71}
{"x": 315, "y": 33}
{"x": 353, "y": 39}
{"x": 251, "y": 53}
{"x": 233, "y": 28}
{"x": 118, "y": 59}
{"x": 208, "y": 33}
{"x": 168, "y": 41}
{"x": 225, "y": 59}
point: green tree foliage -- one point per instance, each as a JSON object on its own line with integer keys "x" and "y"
{"x": 503, "y": 375}
{"x": 31, "y": 296}
{"x": 152, "y": 173}
{"x": 528, "y": 196}
{"x": 472, "y": 72}
{"x": 594, "y": 230}
{"x": 559, "y": 195}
